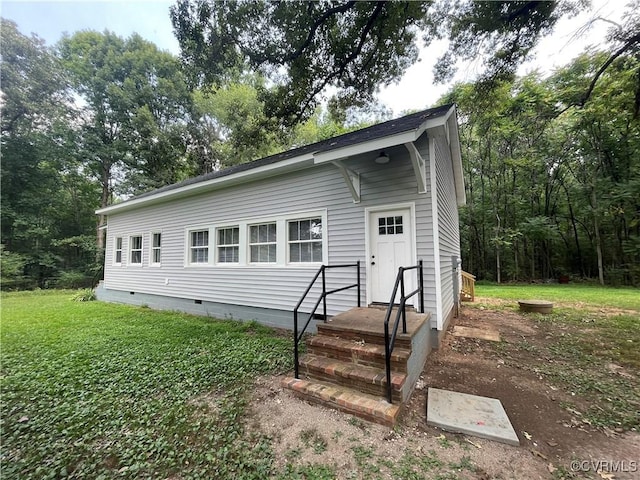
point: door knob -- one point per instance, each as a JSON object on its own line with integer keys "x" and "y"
{"x": 373, "y": 263}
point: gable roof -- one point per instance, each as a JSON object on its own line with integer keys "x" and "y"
{"x": 414, "y": 122}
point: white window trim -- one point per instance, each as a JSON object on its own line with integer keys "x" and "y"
{"x": 152, "y": 248}
{"x": 282, "y": 257}
{"x": 130, "y": 250}
{"x": 249, "y": 244}
{"x": 217, "y": 245}
{"x": 116, "y": 249}
{"x": 187, "y": 246}
{"x": 288, "y": 242}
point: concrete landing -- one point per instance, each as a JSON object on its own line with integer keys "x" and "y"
{"x": 479, "y": 416}
{"x": 479, "y": 333}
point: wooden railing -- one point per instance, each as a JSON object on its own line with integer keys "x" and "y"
{"x": 468, "y": 292}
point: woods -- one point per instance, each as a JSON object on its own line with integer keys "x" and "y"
{"x": 553, "y": 190}
{"x": 552, "y": 164}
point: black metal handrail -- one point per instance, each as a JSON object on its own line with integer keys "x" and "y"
{"x": 323, "y": 298}
{"x": 389, "y": 342}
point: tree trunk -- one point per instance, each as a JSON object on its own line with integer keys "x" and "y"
{"x": 596, "y": 226}
{"x": 498, "y": 278}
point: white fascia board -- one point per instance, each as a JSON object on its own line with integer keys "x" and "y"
{"x": 257, "y": 173}
{"x": 359, "y": 148}
{"x": 384, "y": 142}
{"x": 456, "y": 160}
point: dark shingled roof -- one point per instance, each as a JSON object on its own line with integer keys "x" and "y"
{"x": 380, "y": 130}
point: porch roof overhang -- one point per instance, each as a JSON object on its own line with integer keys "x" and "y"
{"x": 334, "y": 151}
{"x": 441, "y": 126}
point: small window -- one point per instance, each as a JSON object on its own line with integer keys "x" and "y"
{"x": 199, "y": 246}
{"x": 390, "y": 225}
{"x": 118, "y": 251}
{"x": 305, "y": 240}
{"x": 228, "y": 244}
{"x": 155, "y": 248}
{"x": 136, "y": 250}
{"x": 262, "y": 243}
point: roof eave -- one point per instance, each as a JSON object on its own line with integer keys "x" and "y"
{"x": 384, "y": 142}
{"x": 257, "y": 173}
{"x": 295, "y": 163}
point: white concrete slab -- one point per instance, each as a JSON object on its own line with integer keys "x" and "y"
{"x": 463, "y": 413}
{"x": 479, "y": 333}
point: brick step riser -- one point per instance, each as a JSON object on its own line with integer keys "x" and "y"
{"x": 355, "y": 404}
{"x": 359, "y": 336}
{"x": 358, "y": 358}
{"x": 342, "y": 408}
{"x": 359, "y": 385}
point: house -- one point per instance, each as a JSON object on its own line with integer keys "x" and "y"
{"x": 244, "y": 243}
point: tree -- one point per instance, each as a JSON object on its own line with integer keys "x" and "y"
{"x": 552, "y": 186}
{"x": 229, "y": 126}
{"x": 45, "y": 198}
{"x": 136, "y": 107}
{"x": 304, "y": 48}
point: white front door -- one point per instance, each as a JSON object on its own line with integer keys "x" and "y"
{"x": 390, "y": 247}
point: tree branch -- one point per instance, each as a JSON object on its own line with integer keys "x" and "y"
{"x": 343, "y": 65}
{"x": 323, "y": 18}
{"x": 630, "y": 43}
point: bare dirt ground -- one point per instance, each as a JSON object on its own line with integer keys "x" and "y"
{"x": 555, "y": 440}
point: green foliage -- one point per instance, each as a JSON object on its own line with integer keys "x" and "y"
{"x": 86, "y": 295}
{"x": 47, "y": 204}
{"x": 12, "y": 267}
{"x": 311, "y": 438}
{"x": 73, "y": 279}
{"x": 354, "y": 47}
{"x": 102, "y": 390}
{"x": 137, "y": 103}
{"x": 553, "y": 189}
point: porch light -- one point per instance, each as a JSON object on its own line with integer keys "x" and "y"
{"x": 382, "y": 158}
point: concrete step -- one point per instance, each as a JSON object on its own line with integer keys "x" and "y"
{"x": 363, "y": 378}
{"x": 358, "y": 352}
{"x": 368, "y": 407}
{"x": 368, "y": 324}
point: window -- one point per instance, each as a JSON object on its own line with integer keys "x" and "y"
{"x": 262, "y": 243}
{"x": 156, "y": 242}
{"x": 118, "y": 251}
{"x": 390, "y": 225}
{"x": 229, "y": 245}
{"x": 135, "y": 247}
{"x": 199, "y": 246}
{"x": 305, "y": 240}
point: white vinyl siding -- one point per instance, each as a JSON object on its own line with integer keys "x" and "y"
{"x": 135, "y": 250}
{"x": 156, "y": 248}
{"x": 318, "y": 192}
{"x": 448, "y": 227}
{"x": 263, "y": 244}
{"x": 305, "y": 240}
{"x": 228, "y": 246}
{"x": 199, "y": 246}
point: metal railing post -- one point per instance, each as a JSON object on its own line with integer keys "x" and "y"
{"x": 295, "y": 343}
{"x": 358, "y": 274}
{"x": 324, "y": 295}
{"x": 421, "y": 286}
{"x": 387, "y": 361}
{"x": 402, "y": 302}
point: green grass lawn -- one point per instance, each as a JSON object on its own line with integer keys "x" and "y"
{"x": 623, "y": 298}
{"x": 98, "y": 390}
{"x": 101, "y": 391}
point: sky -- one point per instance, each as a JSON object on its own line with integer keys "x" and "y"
{"x": 416, "y": 90}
